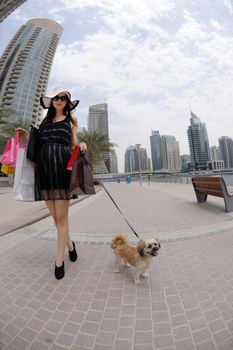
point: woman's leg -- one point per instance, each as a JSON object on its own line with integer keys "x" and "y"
{"x": 51, "y": 207}
{"x": 63, "y": 237}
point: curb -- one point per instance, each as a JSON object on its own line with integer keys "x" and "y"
{"x": 40, "y": 217}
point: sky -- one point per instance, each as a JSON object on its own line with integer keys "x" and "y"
{"x": 150, "y": 60}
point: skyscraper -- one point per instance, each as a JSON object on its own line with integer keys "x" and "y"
{"x": 185, "y": 162}
{"x": 215, "y": 153}
{"x": 156, "y": 156}
{"x": 113, "y": 165}
{"x": 165, "y": 152}
{"x": 8, "y": 6}
{"x": 25, "y": 67}
{"x": 198, "y": 143}
{"x": 226, "y": 150}
{"x": 170, "y": 153}
{"x": 131, "y": 160}
{"x": 98, "y": 120}
{"x": 132, "y": 155}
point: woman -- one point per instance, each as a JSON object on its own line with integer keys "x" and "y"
{"x": 57, "y": 134}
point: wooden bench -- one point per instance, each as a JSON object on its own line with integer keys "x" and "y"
{"x": 214, "y": 186}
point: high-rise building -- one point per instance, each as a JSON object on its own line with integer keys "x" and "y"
{"x": 98, "y": 120}
{"x": 156, "y": 156}
{"x": 132, "y": 155}
{"x": 144, "y": 159}
{"x": 25, "y": 67}
{"x": 185, "y": 162}
{"x": 226, "y": 150}
{"x": 198, "y": 143}
{"x": 170, "y": 153}
{"x": 131, "y": 161}
{"x": 113, "y": 165}
{"x": 8, "y": 6}
{"x": 215, "y": 153}
{"x": 165, "y": 153}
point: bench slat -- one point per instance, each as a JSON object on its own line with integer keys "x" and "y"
{"x": 208, "y": 185}
{"x": 209, "y": 179}
{"x": 211, "y": 192}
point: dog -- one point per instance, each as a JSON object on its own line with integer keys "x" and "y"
{"x": 139, "y": 258}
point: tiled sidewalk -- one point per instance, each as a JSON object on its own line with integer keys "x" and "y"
{"x": 185, "y": 304}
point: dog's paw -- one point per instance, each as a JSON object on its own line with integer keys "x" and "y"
{"x": 137, "y": 283}
{"x": 116, "y": 271}
{"x": 145, "y": 275}
{"x": 127, "y": 265}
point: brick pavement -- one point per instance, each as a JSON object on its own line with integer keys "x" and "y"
{"x": 17, "y": 214}
{"x": 185, "y": 304}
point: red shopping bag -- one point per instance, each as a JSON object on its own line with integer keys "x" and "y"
{"x": 74, "y": 156}
{"x": 10, "y": 153}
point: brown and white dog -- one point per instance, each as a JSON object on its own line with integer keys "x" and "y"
{"x": 138, "y": 258}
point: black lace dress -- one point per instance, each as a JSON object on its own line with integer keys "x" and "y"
{"x": 52, "y": 180}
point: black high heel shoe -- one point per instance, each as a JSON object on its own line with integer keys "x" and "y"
{"x": 73, "y": 254}
{"x": 59, "y": 271}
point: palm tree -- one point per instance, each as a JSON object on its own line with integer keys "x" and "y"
{"x": 5, "y": 112}
{"x": 97, "y": 145}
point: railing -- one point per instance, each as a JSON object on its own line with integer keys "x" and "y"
{"x": 162, "y": 178}
{"x": 179, "y": 178}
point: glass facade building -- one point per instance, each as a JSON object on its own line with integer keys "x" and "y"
{"x": 156, "y": 155}
{"x": 25, "y": 67}
{"x": 131, "y": 159}
{"x": 170, "y": 153}
{"x": 165, "y": 152}
{"x": 8, "y": 6}
{"x": 132, "y": 155}
{"x": 226, "y": 150}
{"x": 98, "y": 120}
{"x": 113, "y": 161}
{"x": 198, "y": 143}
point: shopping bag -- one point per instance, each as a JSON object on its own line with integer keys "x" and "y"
{"x": 8, "y": 170}
{"x": 24, "y": 183}
{"x": 73, "y": 157}
{"x": 33, "y": 144}
{"x": 81, "y": 181}
{"x": 11, "y": 151}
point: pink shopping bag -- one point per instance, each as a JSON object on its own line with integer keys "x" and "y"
{"x": 10, "y": 153}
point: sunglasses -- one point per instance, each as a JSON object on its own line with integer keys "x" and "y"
{"x": 62, "y": 98}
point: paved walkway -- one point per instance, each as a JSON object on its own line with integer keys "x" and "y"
{"x": 185, "y": 304}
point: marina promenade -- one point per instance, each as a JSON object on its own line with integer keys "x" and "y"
{"x": 185, "y": 304}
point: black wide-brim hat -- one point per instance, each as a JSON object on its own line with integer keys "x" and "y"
{"x": 46, "y": 101}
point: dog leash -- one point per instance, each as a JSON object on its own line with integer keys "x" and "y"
{"x": 86, "y": 160}
{"x": 119, "y": 210}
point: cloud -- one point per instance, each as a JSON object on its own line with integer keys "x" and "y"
{"x": 229, "y": 5}
{"x": 148, "y": 60}
{"x": 148, "y": 73}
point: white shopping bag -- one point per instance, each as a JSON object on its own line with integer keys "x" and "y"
{"x": 24, "y": 183}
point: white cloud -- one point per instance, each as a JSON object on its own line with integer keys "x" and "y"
{"x": 229, "y": 5}
{"x": 148, "y": 59}
{"x": 149, "y": 74}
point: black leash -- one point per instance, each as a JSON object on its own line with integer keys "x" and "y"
{"x": 86, "y": 160}
{"x": 119, "y": 210}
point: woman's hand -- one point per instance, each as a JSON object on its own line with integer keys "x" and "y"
{"x": 23, "y": 132}
{"x": 83, "y": 146}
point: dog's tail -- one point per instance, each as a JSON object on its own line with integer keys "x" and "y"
{"x": 119, "y": 240}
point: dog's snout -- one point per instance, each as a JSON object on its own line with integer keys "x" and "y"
{"x": 155, "y": 249}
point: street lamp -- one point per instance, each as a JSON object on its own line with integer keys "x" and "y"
{"x": 139, "y": 162}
